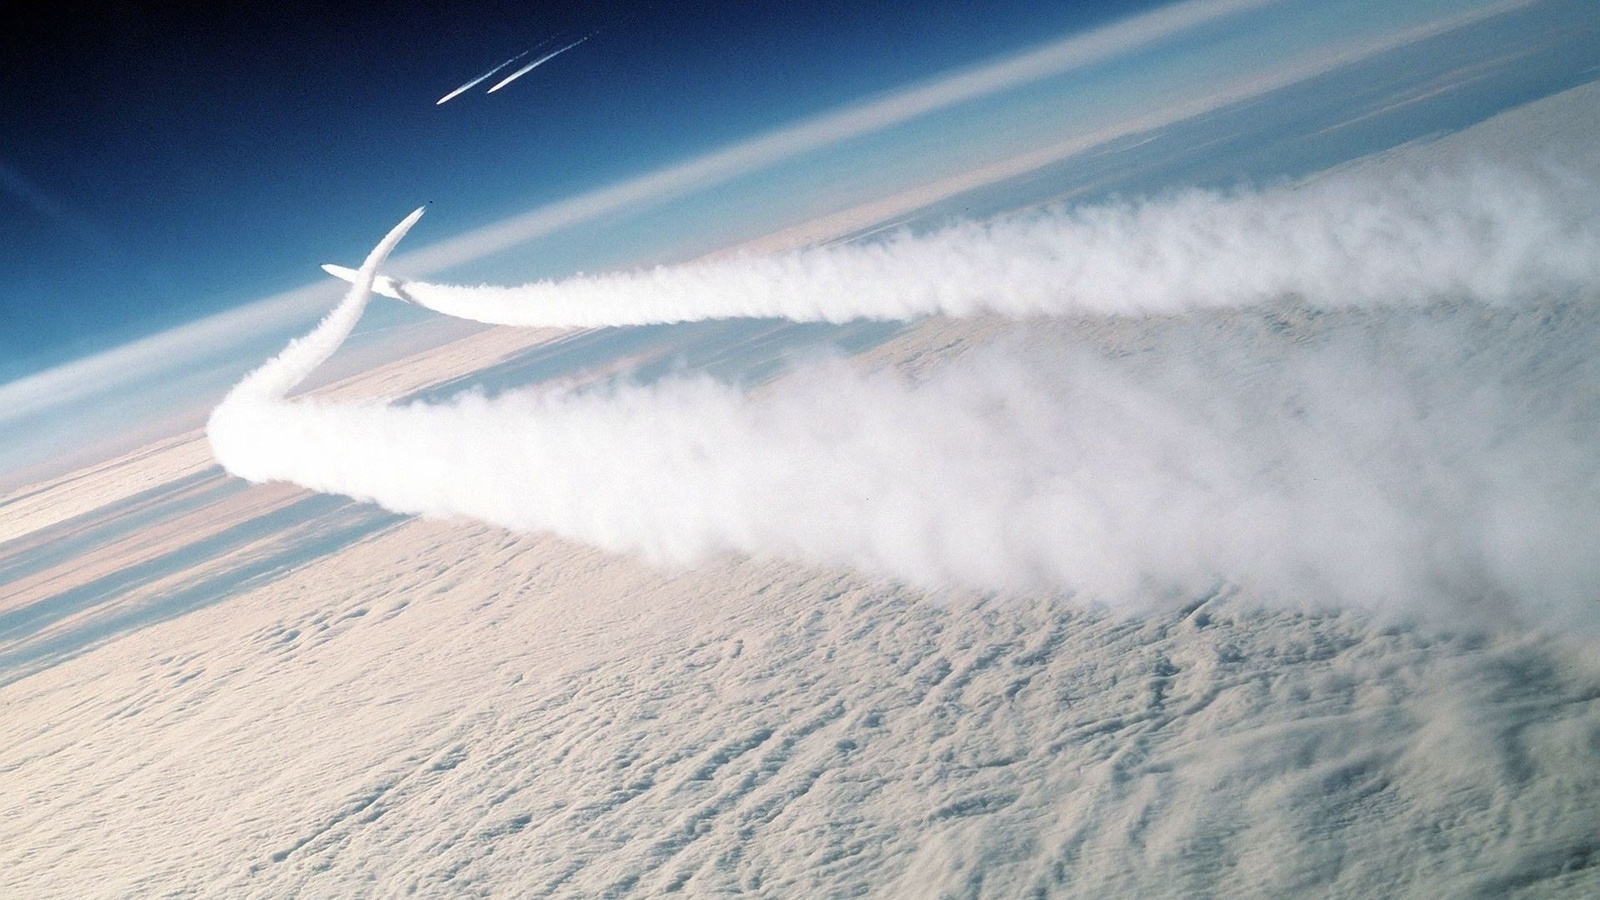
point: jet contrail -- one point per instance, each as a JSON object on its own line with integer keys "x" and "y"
{"x": 481, "y": 78}
{"x": 1495, "y": 235}
{"x": 1428, "y": 443}
{"x": 1389, "y": 460}
{"x": 536, "y": 64}
{"x": 278, "y": 376}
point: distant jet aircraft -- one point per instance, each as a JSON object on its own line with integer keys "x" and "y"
{"x": 537, "y": 63}
{"x": 474, "y": 82}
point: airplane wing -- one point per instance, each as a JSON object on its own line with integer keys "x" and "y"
{"x": 383, "y": 284}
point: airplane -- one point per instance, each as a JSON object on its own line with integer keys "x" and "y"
{"x": 382, "y": 284}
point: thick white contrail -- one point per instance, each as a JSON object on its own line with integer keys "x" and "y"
{"x": 276, "y": 378}
{"x": 1400, "y": 464}
{"x": 1476, "y": 232}
{"x": 1391, "y": 454}
{"x": 481, "y": 78}
{"x": 537, "y": 63}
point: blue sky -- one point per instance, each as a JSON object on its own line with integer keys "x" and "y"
{"x": 158, "y": 169}
{"x": 159, "y": 164}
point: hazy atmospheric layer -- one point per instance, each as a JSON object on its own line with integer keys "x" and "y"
{"x": 1427, "y": 445}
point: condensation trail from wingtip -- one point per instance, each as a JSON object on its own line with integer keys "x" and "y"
{"x": 485, "y": 76}
{"x": 537, "y": 63}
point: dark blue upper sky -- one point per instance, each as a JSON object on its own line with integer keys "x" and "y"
{"x": 157, "y": 164}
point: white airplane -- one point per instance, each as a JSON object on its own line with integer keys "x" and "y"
{"x": 382, "y": 284}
